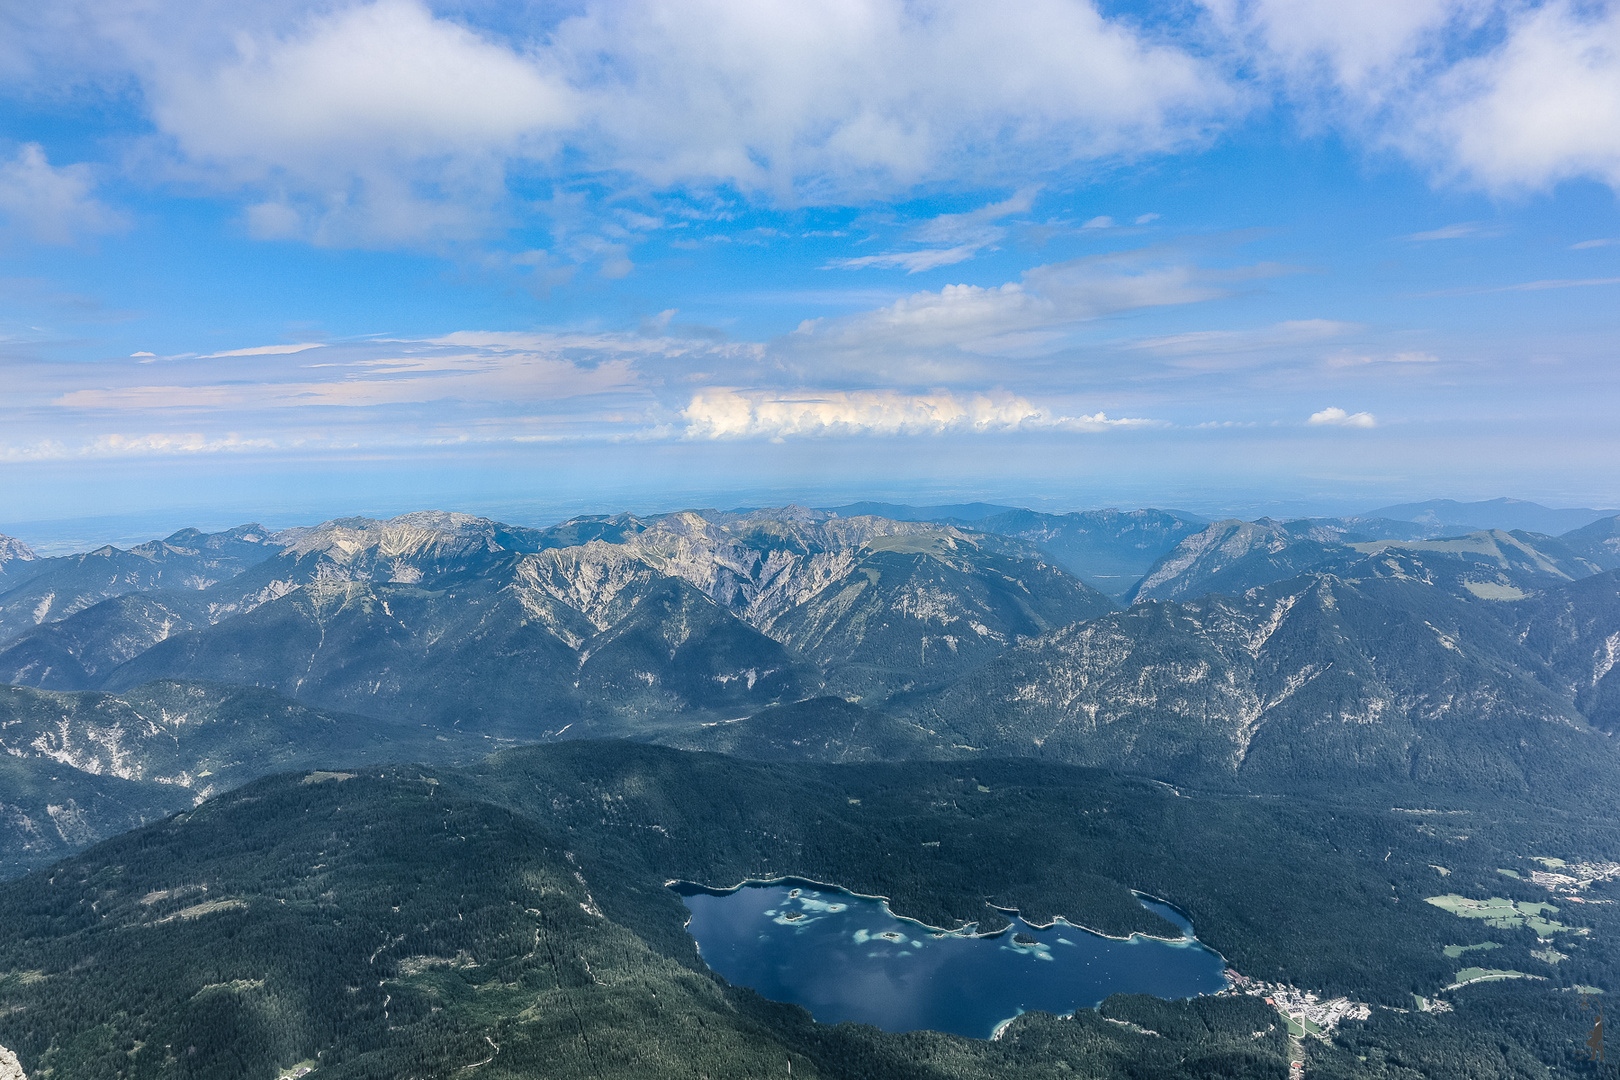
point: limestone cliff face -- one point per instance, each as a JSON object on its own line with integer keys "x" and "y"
{"x": 10, "y": 1067}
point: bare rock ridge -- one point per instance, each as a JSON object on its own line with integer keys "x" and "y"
{"x": 1263, "y": 653}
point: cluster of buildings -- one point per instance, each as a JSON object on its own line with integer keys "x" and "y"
{"x": 1569, "y": 878}
{"x": 1304, "y": 1010}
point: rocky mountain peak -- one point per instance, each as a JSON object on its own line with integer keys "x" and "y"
{"x": 14, "y": 550}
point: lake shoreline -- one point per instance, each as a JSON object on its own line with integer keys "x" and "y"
{"x": 967, "y": 929}
{"x": 849, "y": 957}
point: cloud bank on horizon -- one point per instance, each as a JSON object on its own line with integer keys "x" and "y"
{"x": 1254, "y": 238}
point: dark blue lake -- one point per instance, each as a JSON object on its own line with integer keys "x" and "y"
{"x": 847, "y": 957}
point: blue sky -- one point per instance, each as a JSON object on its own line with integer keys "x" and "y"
{"x": 291, "y": 259}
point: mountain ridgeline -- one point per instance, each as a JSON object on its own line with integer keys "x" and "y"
{"x": 1373, "y": 760}
{"x": 1346, "y": 655}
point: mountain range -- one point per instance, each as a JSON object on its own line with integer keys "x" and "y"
{"x": 1294, "y": 731}
{"x": 1273, "y": 655}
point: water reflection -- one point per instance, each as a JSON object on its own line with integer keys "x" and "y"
{"x": 846, "y": 957}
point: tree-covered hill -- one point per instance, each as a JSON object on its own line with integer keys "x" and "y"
{"x": 513, "y": 915}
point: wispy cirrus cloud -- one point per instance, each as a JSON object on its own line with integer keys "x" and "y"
{"x": 1527, "y": 286}
{"x": 1406, "y": 356}
{"x": 964, "y": 234}
{"x": 1290, "y": 334}
{"x": 949, "y": 330}
{"x": 265, "y": 350}
{"x": 152, "y": 444}
{"x": 1462, "y": 230}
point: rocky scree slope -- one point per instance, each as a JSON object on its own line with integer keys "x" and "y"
{"x": 682, "y": 614}
{"x": 1315, "y": 683}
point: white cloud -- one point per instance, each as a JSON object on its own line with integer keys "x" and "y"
{"x": 725, "y": 413}
{"x": 1336, "y": 417}
{"x": 385, "y": 122}
{"x": 52, "y": 204}
{"x": 975, "y": 225}
{"x": 912, "y": 262}
{"x": 1366, "y": 48}
{"x": 1585, "y": 245}
{"x": 1463, "y": 230}
{"x": 969, "y": 233}
{"x": 1530, "y": 286}
{"x": 1290, "y": 334}
{"x": 161, "y": 444}
{"x": 1504, "y": 94}
{"x": 1024, "y": 317}
{"x": 1543, "y": 107}
{"x": 262, "y": 350}
{"x": 1102, "y": 222}
{"x": 834, "y": 95}
{"x": 1347, "y": 359}
{"x": 349, "y": 114}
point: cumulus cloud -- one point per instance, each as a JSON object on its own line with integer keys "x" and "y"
{"x": 392, "y": 121}
{"x": 1366, "y": 48}
{"x": 1336, "y": 417}
{"x": 349, "y": 114}
{"x": 725, "y": 413}
{"x": 386, "y": 121}
{"x": 830, "y": 95}
{"x": 1543, "y": 107}
{"x": 1499, "y": 93}
{"x": 49, "y": 203}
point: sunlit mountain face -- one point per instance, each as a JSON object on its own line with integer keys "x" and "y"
{"x": 876, "y": 538}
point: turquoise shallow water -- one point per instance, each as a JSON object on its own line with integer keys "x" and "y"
{"x": 847, "y": 957}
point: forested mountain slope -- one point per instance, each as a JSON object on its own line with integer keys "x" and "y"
{"x": 59, "y": 586}
{"x": 1598, "y": 543}
{"x": 84, "y": 766}
{"x": 514, "y": 916}
{"x": 1318, "y": 682}
{"x": 1577, "y": 629}
{"x": 79, "y": 651}
{"x": 1233, "y": 556}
